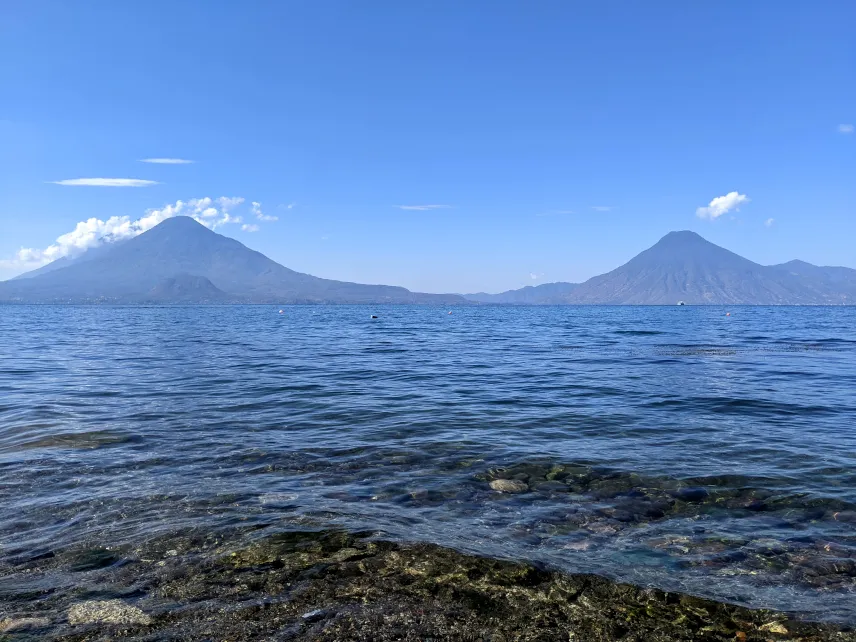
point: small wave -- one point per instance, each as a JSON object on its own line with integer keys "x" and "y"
{"x": 641, "y": 333}
{"x": 742, "y": 407}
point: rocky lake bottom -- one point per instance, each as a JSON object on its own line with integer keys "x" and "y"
{"x": 331, "y": 585}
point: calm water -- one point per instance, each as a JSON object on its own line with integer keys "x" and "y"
{"x": 673, "y": 447}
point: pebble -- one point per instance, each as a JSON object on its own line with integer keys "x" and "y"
{"x": 509, "y": 486}
{"x": 106, "y": 612}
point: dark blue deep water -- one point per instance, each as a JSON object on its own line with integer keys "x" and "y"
{"x": 667, "y": 446}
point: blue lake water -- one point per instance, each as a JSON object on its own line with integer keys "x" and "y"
{"x": 674, "y": 447}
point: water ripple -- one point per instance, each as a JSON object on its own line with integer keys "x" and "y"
{"x": 669, "y": 446}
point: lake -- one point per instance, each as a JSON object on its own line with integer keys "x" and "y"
{"x": 672, "y": 447}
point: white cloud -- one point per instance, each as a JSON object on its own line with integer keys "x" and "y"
{"x": 423, "y": 208}
{"x": 212, "y": 213}
{"x": 257, "y": 210}
{"x": 722, "y": 205}
{"x": 250, "y": 227}
{"x": 106, "y": 182}
{"x": 846, "y": 129}
{"x": 229, "y": 202}
{"x": 167, "y": 161}
{"x": 769, "y": 222}
{"x": 223, "y": 218}
{"x": 533, "y": 276}
{"x": 602, "y": 208}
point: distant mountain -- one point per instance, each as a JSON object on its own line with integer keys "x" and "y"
{"x": 555, "y": 293}
{"x": 683, "y": 266}
{"x": 830, "y": 282}
{"x": 182, "y": 261}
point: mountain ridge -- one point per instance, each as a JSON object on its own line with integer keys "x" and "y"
{"x": 181, "y": 248}
{"x": 182, "y": 261}
{"x": 683, "y": 266}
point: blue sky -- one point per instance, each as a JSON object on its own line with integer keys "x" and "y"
{"x": 556, "y": 139}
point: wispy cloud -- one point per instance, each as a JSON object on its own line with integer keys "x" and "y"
{"x": 602, "y": 208}
{"x": 846, "y": 129}
{"x": 212, "y": 213}
{"x": 289, "y": 206}
{"x": 250, "y": 227}
{"x": 769, "y": 222}
{"x": 223, "y": 220}
{"x": 105, "y": 182}
{"x": 534, "y": 276}
{"x": 167, "y": 161}
{"x": 228, "y": 203}
{"x": 257, "y": 210}
{"x": 423, "y": 208}
{"x": 722, "y": 205}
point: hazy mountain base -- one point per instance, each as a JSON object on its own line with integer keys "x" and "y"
{"x": 339, "y": 586}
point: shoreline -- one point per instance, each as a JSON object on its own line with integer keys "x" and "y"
{"x": 333, "y": 585}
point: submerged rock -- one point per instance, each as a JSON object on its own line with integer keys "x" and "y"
{"x": 13, "y": 625}
{"x": 106, "y": 612}
{"x": 509, "y": 486}
{"x": 775, "y": 627}
{"x": 550, "y": 487}
{"x": 691, "y": 494}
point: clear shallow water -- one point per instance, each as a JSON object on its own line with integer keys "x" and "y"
{"x": 672, "y": 447}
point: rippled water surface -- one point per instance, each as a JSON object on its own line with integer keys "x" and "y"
{"x": 675, "y": 447}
